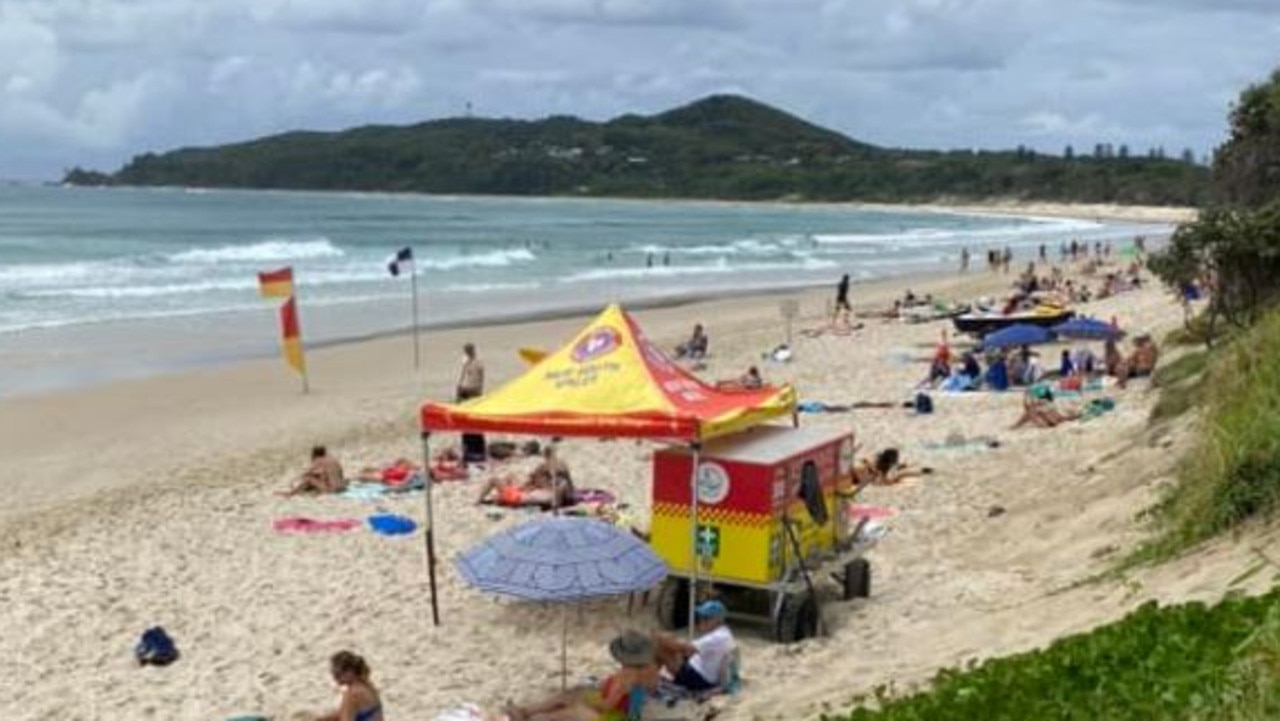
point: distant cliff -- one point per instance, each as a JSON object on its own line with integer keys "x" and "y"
{"x": 722, "y": 146}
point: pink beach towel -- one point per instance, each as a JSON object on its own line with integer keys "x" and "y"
{"x": 859, "y": 511}
{"x": 300, "y": 524}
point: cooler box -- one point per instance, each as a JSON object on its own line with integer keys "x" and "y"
{"x": 747, "y": 484}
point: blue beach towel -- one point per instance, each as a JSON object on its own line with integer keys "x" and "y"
{"x": 389, "y": 524}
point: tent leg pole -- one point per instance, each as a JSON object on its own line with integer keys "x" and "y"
{"x": 694, "y": 554}
{"x": 429, "y": 548}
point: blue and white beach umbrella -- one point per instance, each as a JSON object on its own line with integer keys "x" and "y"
{"x": 562, "y": 559}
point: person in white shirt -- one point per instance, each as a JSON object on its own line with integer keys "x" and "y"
{"x": 700, "y": 665}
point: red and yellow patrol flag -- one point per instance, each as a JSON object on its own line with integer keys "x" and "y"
{"x": 279, "y": 284}
{"x": 291, "y": 337}
{"x": 276, "y": 283}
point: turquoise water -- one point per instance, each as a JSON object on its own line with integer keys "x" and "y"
{"x": 97, "y": 264}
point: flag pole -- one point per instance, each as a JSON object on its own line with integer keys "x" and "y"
{"x": 413, "y": 284}
{"x": 430, "y": 531}
{"x": 302, "y": 347}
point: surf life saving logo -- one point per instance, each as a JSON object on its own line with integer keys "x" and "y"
{"x": 597, "y": 343}
{"x": 713, "y": 483}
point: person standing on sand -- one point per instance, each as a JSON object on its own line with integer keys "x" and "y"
{"x": 842, "y": 295}
{"x": 471, "y": 385}
{"x": 471, "y": 377}
{"x": 964, "y": 259}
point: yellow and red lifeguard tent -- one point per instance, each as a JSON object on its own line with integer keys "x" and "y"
{"x": 609, "y": 381}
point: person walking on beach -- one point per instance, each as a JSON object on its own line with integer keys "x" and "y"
{"x": 842, "y": 296}
{"x": 471, "y": 385}
{"x": 964, "y": 259}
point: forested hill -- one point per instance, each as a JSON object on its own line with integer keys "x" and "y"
{"x": 722, "y": 146}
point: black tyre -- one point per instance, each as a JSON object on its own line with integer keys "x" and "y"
{"x": 798, "y": 619}
{"x": 673, "y": 604}
{"x": 857, "y": 579}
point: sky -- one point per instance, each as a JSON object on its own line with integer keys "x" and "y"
{"x": 95, "y": 82}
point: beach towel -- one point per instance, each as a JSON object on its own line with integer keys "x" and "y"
{"x": 301, "y": 524}
{"x": 388, "y": 524}
{"x": 858, "y": 511}
{"x": 443, "y": 471}
{"x": 1097, "y": 407}
{"x": 593, "y": 495}
{"x": 365, "y": 492}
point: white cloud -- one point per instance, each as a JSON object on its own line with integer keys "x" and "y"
{"x": 100, "y": 80}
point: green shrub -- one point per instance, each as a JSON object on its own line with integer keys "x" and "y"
{"x": 1178, "y": 662}
{"x": 1233, "y": 473}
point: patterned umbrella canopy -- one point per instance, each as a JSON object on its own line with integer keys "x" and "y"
{"x": 562, "y": 559}
{"x": 1088, "y": 328}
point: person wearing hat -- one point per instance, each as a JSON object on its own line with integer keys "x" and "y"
{"x": 616, "y": 697}
{"x": 702, "y": 664}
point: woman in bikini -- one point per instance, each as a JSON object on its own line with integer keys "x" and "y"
{"x": 612, "y": 700}
{"x": 360, "y": 699}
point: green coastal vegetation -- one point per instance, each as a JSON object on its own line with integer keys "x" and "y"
{"x": 1186, "y": 661}
{"x": 722, "y": 147}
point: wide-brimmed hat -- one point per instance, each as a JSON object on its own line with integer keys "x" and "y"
{"x": 632, "y": 649}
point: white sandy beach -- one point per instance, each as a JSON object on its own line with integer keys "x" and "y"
{"x": 150, "y": 502}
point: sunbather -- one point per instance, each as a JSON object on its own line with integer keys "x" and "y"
{"x": 703, "y": 664}
{"x": 324, "y": 475}
{"x": 395, "y": 474}
{"x": 1142, "y": 362}
{"x": 886, "y": 469}
{"x": 613, "y": 699}
{"x": 1039, "y": 410}
{"x": 550, "y": 484}
{"x": 360, "y": 699}
{"x": 696, "y": 347}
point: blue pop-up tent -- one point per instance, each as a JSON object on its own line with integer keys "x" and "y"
{"x": 1015, "y": 335}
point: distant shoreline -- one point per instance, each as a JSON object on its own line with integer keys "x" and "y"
{"x": 1003, "y": 206}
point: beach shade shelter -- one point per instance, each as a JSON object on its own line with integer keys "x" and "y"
{"x": 1087, "y": 329}
{"x": 1016, "y": 335}
{"x": 562, "y": 560}
{"x": 609, "y": 381}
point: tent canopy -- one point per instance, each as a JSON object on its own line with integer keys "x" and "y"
{"x": 611, "y": 381}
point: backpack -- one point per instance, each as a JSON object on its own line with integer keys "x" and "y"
{"x": 924, "y": 404}
{"x": 156, "y": 648}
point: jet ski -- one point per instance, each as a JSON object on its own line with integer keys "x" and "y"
{"x": 980, "y": 322}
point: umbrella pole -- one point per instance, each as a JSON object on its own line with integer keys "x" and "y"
{"x": 694, "y": 554}
{"x": 564, "y": 647}
{"x": 430, "y": 541}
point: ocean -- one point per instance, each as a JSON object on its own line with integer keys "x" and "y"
{"x": 88, "y": 275}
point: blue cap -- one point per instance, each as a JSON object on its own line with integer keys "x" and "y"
{"x": 711, "y": 609}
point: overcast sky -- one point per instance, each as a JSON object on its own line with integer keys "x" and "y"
{"x": 93, "y": 82}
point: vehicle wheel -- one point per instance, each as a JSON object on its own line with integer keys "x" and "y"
{"x": 798, "y": 619}
{"x": 857, "y": 579}
{"x": 673, "y": 604}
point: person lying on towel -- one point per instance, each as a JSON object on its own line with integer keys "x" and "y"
{"x": 396, "y": 474}
{"x": 704, "y": 664}
{"x": 548, "y": 485}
